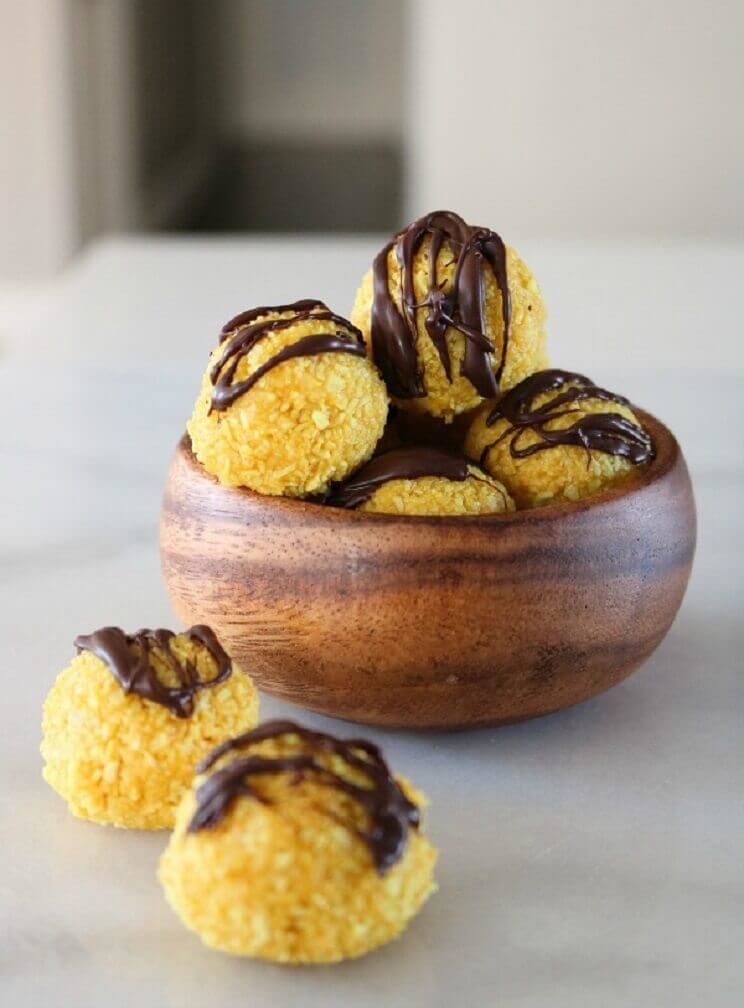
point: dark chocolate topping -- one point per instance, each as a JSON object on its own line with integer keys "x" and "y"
{"x": 608, "y": 432}
{"x": 394, "y": 334}
{"x": 242, "y": 333}
{"x": 389, "y": 813}
{"x": 402, "y": 463}
{"x": 136, "y": 673}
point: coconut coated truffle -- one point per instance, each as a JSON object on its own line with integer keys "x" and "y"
{"x": 298, "y": 847}
{"x": 125, "y": 724}
{"x": 289, "y": 403}
{"x": 558, "y": 436}
{"x": 422, "y": 480}
{"x": 452, "y": 316}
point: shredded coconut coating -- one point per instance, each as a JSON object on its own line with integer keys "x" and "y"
{"x": 436, "y": 495}
{"x": 526, "y": 348}
{"x": 306, "y": 423}
{"x": 288, "y": 880}
{"x": 119, "y": 759}
{"x": 559, "y": 473}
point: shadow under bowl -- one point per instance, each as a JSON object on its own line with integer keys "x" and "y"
{"x": 441, "y": 622}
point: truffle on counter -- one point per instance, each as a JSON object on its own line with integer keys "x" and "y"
{"x": 422, "y": 480}
{"x": 558, "y": 436}
{"x": 289, "y": 403}
{"x": 452, "y": 316}
{"x": 299, "y": 847}
{"x": 125, "y": 724}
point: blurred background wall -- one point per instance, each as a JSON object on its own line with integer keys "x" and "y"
{"x": 38, "y": 188}
{"x": 590, "y": 117}
{"x": 310, "y": 115}
{"x": 552, "y": 117}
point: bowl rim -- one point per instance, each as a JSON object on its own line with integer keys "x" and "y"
{"x": 667, "y": 455}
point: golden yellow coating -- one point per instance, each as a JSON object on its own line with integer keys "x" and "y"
{"x": 288, "y": 880}
{"x": 526, "y": 348}
{"x": 561, "y": 472}
{"x": 307, "y": 422}
{"x": 436, "y": 495}
{"x": 120, "y": 759}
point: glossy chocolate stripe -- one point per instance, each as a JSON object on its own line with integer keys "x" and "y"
{"x": 234, "y": 772}
{"x": 244, "y": 332}
{"x": 608, "y": 432}
{"x": 394, "y": 332}
{"x": 130, "y": 657}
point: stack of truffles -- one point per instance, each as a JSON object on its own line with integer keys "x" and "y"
{"x": 434, "y": 399}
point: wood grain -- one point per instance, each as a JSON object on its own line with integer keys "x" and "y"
{"x": 432, "y": 622}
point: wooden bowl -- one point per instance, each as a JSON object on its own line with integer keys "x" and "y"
{"x": 432, "y": 622}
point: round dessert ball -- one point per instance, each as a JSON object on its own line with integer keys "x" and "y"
{"x": 297, "y": 847}
{"x": 422, "y": 480}
{"x": 289, "y": 402}
{"x": 433, "y": 312}
{"x": 558, "y": 436}
{"x": 125, "y": 724}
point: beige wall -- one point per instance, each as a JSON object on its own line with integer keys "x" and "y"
{"x": 554, "y": 117}
{"x": 311, "y": 68}
{"x": 579, "y": 116}
{"x": 38, "y": 207}
{"x": 106, "y": 113}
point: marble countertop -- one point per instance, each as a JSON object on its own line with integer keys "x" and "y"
{"x": 592, "y": 858}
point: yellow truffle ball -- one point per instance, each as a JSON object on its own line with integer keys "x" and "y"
{"x": 422, "y": 480}
{"x": 436, "y": 495}
{"x": 448, "y": 395}
{"x": 522, "y": 448}
{"x": 308, "y": 420}
{"x": 283, "y": 871}
{"x": 118, "y": 758}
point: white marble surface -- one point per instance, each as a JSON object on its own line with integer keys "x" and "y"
{"x": 594, "y": 858}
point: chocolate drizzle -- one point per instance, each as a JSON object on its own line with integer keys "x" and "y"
{"x": 402, "y": 463}
{"x": 389, "y": 813}
{"x": 129, "y": 656}
{"x": 608, "y": 432}
{"x": 242, "y": 333}
{"x": 394, "y": 335}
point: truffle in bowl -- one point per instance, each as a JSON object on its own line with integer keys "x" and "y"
{"x": 439, "y": 621}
